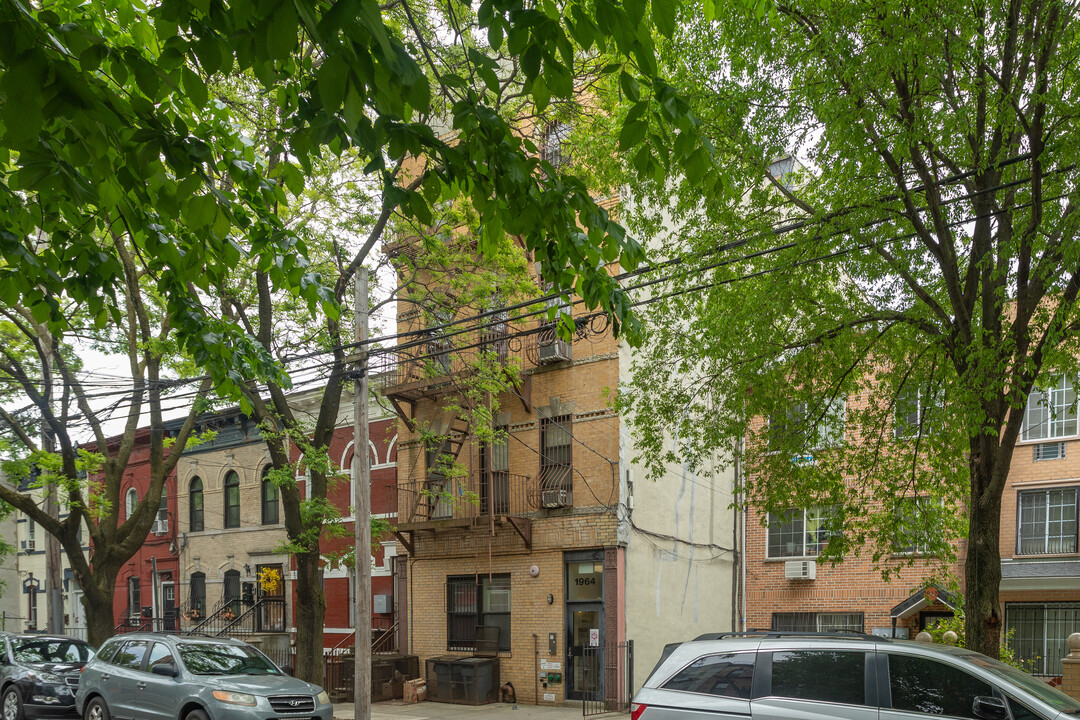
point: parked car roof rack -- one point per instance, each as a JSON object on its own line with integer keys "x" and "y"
{"x": 794, "y": 633}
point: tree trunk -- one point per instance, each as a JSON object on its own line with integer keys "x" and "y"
{"x": 98, "y": 607}
{"x": 310, "y": 615}
{"x": 982, "y": 569}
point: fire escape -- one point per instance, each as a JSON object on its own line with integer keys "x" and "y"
{"x": 434, "y": 370}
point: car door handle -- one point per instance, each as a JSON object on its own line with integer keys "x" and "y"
{"x": 105, "y": 676}
{"x": 141, "y": 686}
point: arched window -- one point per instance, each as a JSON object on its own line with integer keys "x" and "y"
{"x": 195, "y": 520}
{"x": 132, "y": 502}
{"x": 232, "y": 500}
{"x": 269, "y": 499}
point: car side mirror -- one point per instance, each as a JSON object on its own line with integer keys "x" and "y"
{"x": 166, "y": 669}
{"x": 989, "y": 708}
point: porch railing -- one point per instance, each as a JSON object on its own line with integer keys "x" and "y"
{"x": 266, "y": 615}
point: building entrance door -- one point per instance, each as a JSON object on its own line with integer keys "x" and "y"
{"x": 168, "y": 605}
{"x": 585, "y": 639}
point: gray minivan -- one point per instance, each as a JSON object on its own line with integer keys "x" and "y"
{"x": 155, "y": 676}
{"x": 805, "y": 676}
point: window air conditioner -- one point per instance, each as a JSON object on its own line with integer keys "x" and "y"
{"x": 161, "y": 527}
{"x": 554, "y": 498}
{"x": 553, "y": 351}
{"x": 800, "y": 570}
{"x": 30, "y": 544}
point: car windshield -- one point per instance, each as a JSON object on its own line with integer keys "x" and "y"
{"x": 223, "y": 659}
{"x": 1051, "y": 696}
{"x": 40, "y": 651}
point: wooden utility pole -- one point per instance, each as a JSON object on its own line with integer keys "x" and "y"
{"x": 361, "y": 469}
{"x": 54, "y": 575}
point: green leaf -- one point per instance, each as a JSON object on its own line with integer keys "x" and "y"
{"x": 540, "y": 94}
{"x": 194, "y": 87}
{"x": 632, "y": 134}
{"x": 663, "y": 15}
{"x": 629, "y": 86}
{"x": 282, "y": 32}
{"x": 635, "y": 10}
{"x": 332, "y": 78}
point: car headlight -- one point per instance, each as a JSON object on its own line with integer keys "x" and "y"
{"x": 45, "y": 677}
{"x": 323, "y": 698}
{"x": 234, "y": 698}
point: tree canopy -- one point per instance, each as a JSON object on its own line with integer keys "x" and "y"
{"x": 901, "y": 234}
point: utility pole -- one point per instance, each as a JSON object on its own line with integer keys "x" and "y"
{"x": 54, "y": 575}
{"x": 361, "y": 469}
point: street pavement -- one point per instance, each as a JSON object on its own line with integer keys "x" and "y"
{"x": 397, "y": 710}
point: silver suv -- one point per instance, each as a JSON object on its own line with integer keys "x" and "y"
{"x": 784, "y": 676}
{"x": 154, "y": 676}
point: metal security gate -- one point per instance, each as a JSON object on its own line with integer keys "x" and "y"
{"x": 613, "y": 694}
{"x": 590, "y": 684}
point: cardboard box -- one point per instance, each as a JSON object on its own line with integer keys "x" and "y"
{"x": 414, "y": 690}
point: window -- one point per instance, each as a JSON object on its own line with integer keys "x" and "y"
{"x": 109, "y": 649}
{"x": 914, "y": 527}
{"x": 473, "y": 601}
{"x": 31, "y": 606}
{"x": 553, "y": 144}
{"x": 834, "y": 676}
{"x": 161, "y": 522}
{"x": 1051, "y": 411}
{"x": 195, "y": 521}
{"x": 792, "y": 429}
{"x": 1048, "y": 451}
{"x": 916, "y": 412}
{"x": 926, "y": 686}
{"x": 440, "y": 500}
{"x": 724, "y": 675}
{"x": 1039, "y": 633}
{"x": 1047, "y": 521}
{"x": 197, "y": 593}
{"x": 31, "y": 534}
{"x": 132, "y": 502}
{"x": 131, "y": 655}
{"x": 798, "y": 533}
{"x": 160, "y": 654}
{"x": 556, "y": 461}
{"x": 134, "y": 598}
{"x": 232, "y": 500}
{"x": 269, "y": 499}
{"x": 817, "y": 622}
{"x": 496, "y": 454}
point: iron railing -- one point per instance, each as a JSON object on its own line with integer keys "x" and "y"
{"x": 266, "y": 615}
{"x": 462, "y": 498}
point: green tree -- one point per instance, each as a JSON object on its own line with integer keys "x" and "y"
{"x": 921, "y": 261}
{"x": 50, "y": 406}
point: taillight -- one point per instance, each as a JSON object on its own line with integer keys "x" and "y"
{"x": 636, "y": 709}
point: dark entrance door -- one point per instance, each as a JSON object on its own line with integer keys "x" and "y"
{"x": 585, "y": 638}
{"x": 584, "y": 675}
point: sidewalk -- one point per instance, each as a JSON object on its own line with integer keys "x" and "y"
{"x": 397, "y": 710}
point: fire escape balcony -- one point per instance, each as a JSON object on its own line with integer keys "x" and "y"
{"x": 441, "y": 503}
{"x": 436, "y": 368}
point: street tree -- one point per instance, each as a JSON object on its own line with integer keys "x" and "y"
{"x": 71, "y": 431}
{"x": 901, "y": 232}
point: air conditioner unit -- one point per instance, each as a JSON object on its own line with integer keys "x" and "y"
{"x": 22, "y": 545}
{"x": 555, "y": 498}
{"x": 800, "y": 570}
{"x": 161, "y": 527}
{"x": 30, "y": 544}
{"x": 553, "y": 351}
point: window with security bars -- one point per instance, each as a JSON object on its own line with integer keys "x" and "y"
{"x": 439, "y": 487}
{"x": 497, "y": 487}
{"x": 1047, "y": 521}
{"x": 817, "y": 622}
{"x": 798, "y": 533}
{"x": 556, "y": 457}
{"x": 1039, "y": 633}
{"x": 915, "y": 525}
{"x": 1051, "y": 411}
{"x": 477, "y": 601}
{"x": 553, "y": 144}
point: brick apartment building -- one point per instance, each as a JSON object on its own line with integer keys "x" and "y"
{"x": 1040, "y": 589}
{"x": 551, "y": 550}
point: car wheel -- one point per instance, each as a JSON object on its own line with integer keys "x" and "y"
{"x": 12, "y": 705}
{"x": 95, "y": 710}
{"x": 196, "y": 715}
